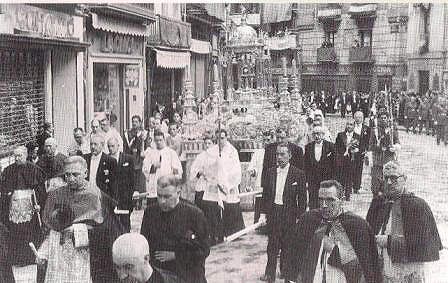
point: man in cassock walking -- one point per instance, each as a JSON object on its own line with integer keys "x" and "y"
{"x": 406, "y": 228}
{"x": 82, "y": 226}
{"x": 23, "y": 195}
{"x": 284, "y": 201}
{"x": 228, "y": 175}
{"x": 159, "y": 161}
{"x": 330, "y": 245}
{"x": 207, "y": 195}
{"x": 176, "y": 232}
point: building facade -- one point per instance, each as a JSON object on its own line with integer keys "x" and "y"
{"x": 41, "y": 75}
{"x": 347, "y": 47}
{"x": 115, "y": 65}
{"x": 427, "y": 47}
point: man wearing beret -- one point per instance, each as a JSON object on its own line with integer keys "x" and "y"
{"x": 407, "y": 235}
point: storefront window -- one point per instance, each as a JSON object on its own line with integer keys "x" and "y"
{"x": 108, "y": 92}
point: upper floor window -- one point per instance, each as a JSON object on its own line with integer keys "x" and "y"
{"x": 364, "y": 39}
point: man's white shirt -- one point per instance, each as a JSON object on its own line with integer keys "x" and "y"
{"x": 94, "y": 163}
{"x": 282, "y": 173}
{"x": 318, "y": 150}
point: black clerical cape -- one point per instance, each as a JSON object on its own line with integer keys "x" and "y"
{"x": 182, "y": 230}
{"x": 422, "y": 240}
{"x": 26, "y": 176}
{"x": 302, "y": 259}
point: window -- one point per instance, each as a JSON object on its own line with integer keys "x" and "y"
{"x": 365, "y": 38}
{"x": 329, "y": 39}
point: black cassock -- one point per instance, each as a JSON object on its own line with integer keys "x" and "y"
{"x": 22, "y": 177}
{"x": 182, "y": 230}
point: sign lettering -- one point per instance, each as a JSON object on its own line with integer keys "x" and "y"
{"x": 117, "y": 43}
{"x": 46, "y": 23}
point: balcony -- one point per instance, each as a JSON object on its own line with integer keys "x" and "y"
{"x": 133, "y": 12}
{"x": 361, "y": 55}
{"x": 362, "y": 10}
{"x": 326, "y": 55}
{"x": 166, "y": 32}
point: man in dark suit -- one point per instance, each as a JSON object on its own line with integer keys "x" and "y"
{"x": 363, "y": 132}
{"x": 347, "y": 143}
{"x": 270, "y": 154}
{"x": 284, "y": 200}
{"x": 125, "y": 181}
{"x": 102, "y": 169}
{"x": 319, "y": 164}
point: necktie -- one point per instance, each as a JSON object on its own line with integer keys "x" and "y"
{"x": 388, "y": 209}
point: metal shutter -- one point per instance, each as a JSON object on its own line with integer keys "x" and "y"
{"x": 22, "y": 93}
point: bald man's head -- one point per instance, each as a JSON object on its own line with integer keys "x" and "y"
{"x": 130, "y": 253}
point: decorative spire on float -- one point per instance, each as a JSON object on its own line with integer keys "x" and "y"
{"x": 189, "y": 116}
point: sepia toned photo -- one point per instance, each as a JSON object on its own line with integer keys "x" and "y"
{"x": 223, "y": 142}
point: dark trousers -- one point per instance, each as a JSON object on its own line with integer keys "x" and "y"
{"x": 358, "y": 165}
{"x": 411, "y": 123}
{"x": 313, "y": 195}
{"x": 440, "y": 133}
{"x": 421, "y": 123}
{"x": 343, "y": 111}
{"x": 277, "y": 226}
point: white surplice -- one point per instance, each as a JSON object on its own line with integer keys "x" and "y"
{"x": 169, "y": 164}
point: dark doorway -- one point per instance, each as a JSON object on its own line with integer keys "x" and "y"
{"x": 423, "y": 81}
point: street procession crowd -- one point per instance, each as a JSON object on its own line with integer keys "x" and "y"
{"x": 71, "y": 214}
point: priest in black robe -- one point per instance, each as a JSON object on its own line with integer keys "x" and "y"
{"x": 407, "y": 234}
{"x": 23, "y": 197}
{"x": 330, "y": 245}
{"x": 176, "y": 232}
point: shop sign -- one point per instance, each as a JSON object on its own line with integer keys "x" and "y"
{"x": 118, "y": 43}
{"x": 43, "y": 22}
{"x": 132, "y": 76}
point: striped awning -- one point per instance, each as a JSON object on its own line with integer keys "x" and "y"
{"x": 200, "y": 47}
{"x": 111, "y": 24}
{"x": 172, "y": 59}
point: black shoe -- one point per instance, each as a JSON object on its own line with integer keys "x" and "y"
{"x": 281, "y": 276}
{"x": 267, "y": 278}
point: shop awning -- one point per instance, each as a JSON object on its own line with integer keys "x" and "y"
{"x": 200, "y": 47}
{"x": 276, "y": 12}
{"x": 282, "y": 42}
{"x": 172, "y": 59}
{"x": 117, "y": 25}
{"x": 9, "y": 40}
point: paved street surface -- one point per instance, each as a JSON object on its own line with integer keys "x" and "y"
{"x": 426, "y": 165}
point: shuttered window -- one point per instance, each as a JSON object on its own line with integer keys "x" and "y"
{"x": 22, "y": 93}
